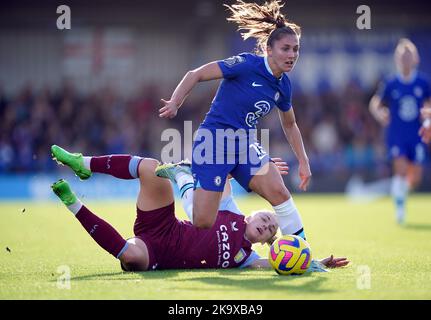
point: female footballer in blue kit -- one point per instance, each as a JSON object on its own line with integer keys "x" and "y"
{"x": 397, "y": 106}
{"x": 252, "y": 85}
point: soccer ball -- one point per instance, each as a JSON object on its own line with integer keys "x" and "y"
{"x": 290, "y": 255}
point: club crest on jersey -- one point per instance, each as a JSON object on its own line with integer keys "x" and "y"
{"x": 229, "y": 62}
{"x": 217, "y": 181}
{"x": 239, "y": 256}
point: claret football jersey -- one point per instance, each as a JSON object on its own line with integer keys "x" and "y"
{"x": 222, "y": 246}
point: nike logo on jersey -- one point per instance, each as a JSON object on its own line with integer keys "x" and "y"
{"x": 254, "y": 84}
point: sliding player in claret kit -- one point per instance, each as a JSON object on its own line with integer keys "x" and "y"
{"x": 162, "y": 241}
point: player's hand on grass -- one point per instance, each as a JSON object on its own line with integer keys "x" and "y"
{"x": 169, "y": 110}
{"x": 281, "y": 166}
{"x": 305, "y": 175}
{"x": 332, "y": 262}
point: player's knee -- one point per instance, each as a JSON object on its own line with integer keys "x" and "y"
{"x": 401, "y": 167}
{"x": 277, "y": 193}
{"x": 135, "y": 258}
{"x": 147, "y": 167}
{"x": 134, "y": 263}
{"x": 414, "y": 182}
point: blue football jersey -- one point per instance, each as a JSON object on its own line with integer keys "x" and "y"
{"x": 404, "y": 100}
{"x": 247, "y": 92}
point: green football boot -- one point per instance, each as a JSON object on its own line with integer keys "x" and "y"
{"x": 62, "y": 189}
{"x": 170, "y": 170}
{"x": 73, "y": 160}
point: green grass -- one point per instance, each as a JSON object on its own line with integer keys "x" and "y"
{"x": 47, "y": 236}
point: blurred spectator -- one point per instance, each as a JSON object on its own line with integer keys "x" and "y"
{"x": 324, "y": 135}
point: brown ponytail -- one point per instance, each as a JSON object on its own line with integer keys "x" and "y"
{"x": 264, "y": 22}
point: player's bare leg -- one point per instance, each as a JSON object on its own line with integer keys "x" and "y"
{"x": 154, "y": 192}
{"x": 271, "y": 187}
{"x": 414, "y": 175}
{"x": 205, "y": 207}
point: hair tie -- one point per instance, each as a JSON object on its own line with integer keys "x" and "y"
{"x": 279, "y": 22}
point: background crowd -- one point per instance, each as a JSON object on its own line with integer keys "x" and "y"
{"x": 339, "y": 133}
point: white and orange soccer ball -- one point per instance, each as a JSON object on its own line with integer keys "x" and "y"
{"x": 290, "y": 255}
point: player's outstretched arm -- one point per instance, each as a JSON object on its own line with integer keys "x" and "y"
{"x": 210, "y": 71}
{"x": 260, "y": 263}
{"x": 329, "y": 262}
{"x": 293, "y": 135}
{"x": 378, "y": 110}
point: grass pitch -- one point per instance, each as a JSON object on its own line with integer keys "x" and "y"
{"x": 40, "y": 241}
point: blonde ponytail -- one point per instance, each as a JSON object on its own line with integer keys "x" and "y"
{"x": 264, "y": 22}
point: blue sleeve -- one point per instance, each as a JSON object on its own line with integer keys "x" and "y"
{"x": 285, "y": 102}
{"x": 234, "y": 66}
{"x": 252, "y": 258}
